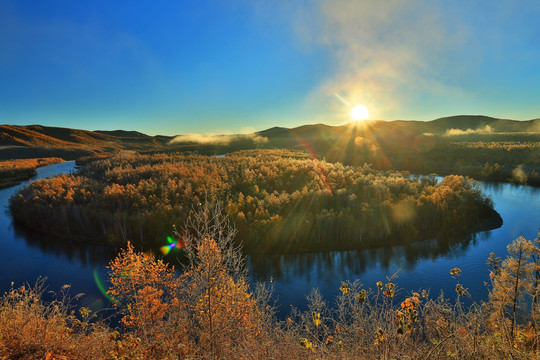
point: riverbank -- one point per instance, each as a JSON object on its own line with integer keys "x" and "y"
{"x": 13, "y": 172}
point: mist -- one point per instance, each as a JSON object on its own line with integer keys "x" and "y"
{"x": 218, "y": 139}
{"x": 481, "y": 130}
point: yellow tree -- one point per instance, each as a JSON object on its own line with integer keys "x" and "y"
{"x": 225, "y": 316}
{"x": 511, "y": 280}
{"x": 147, "y": 291}
{"x": 207, "y": 311}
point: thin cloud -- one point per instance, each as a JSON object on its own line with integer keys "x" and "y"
{"x": 382, "y": 52}
{"x": 384, "y": 48}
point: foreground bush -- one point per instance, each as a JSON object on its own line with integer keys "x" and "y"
{"x": 208, "y": 311}
{"x": 32, "y": 328}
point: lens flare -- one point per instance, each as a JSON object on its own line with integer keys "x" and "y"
{"x": 173, "y": 244}
{"x": 101, "y": 286}
{"x": 313, "y": 155}
{"x": 340, "y": 98}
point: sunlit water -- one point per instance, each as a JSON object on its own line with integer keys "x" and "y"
{"x": 24, "y": 256}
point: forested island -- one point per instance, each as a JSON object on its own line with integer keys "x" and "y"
{"x": 280, "y": 201}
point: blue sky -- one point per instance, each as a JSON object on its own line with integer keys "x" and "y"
{"x": 179, "y": 67}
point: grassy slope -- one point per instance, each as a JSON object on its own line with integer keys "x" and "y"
{"x": 42, "y": 141}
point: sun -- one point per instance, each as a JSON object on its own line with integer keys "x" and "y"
{"x": 359, "y": 112}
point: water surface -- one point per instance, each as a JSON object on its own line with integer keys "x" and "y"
{"x": 26, "y": 255}
{"x": 421, "y": 265}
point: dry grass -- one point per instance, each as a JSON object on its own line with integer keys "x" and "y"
{"x": 31, "y": 328}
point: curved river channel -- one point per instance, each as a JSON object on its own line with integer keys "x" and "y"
{"x": 25, "y": 256}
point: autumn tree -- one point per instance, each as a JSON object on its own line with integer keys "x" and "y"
{"x": 147, "y": 291}
{"x": 281, "y": 202}
{"x": 207, "y": 310}
{"x": 226, "y": 317}
{"x": 511, "y": 280}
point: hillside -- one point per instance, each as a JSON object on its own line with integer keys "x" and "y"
{"x": 479, "y": 146}
{"x": 15, "y": 141}
{"x": 36, "y": 141}
{"x": 123, "y": 133}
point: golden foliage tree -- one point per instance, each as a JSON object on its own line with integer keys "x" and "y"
{"x": 207, "y": 310}
{"x": 512, "y": 281}
{"x": 147, "y": 292}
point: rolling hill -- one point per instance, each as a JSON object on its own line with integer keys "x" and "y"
{"x": 41, "y": 141}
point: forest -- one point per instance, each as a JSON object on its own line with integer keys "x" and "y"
{"x": 207, "y": 310}
{"x": 280, "y": 201}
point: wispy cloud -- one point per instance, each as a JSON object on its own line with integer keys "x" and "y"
{"x": 383, "y": 50}
{"x": 382, "y": 53}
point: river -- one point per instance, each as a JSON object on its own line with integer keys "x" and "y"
{"x": 25, "y": 256}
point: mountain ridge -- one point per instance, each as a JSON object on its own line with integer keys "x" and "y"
{"x": 18, "y": 141}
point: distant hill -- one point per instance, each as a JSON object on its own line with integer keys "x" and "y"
{"x": 453, "y": 125}
{"x": 465, "y": 122}
{"x": 43, "y": 141}
{"x": 123, "y": 133}
{"x": 462, "y": 122}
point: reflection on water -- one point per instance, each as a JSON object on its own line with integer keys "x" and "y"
{"x": 84, "y": 254}
{"x": 64, "y": 250}
{"x": 26, "y": 255}
{"x": 421, "y": 265}
{"x": 510, "y": 188}
{"x": 327, "y": 264}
